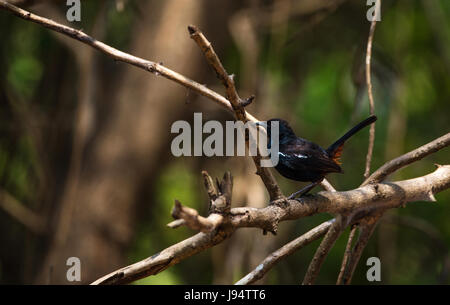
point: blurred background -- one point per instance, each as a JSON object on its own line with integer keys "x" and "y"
{"x": 85, "y": 162}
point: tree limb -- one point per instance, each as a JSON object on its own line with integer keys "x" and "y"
{"x": 369, "y": 90}
{"x": 150, "y": 66}
{"x": 366, "y": 231}
{"x": 376, "y": 196}
{"x": 324, "y": 248}
{"x": 347, "y": 254}
{"x": 270, "y": 261}
{"x": 237, "y": 105}
{"x": 408, "y": 158}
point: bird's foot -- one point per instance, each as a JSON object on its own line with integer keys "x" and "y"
{"x": 303, "y": 191}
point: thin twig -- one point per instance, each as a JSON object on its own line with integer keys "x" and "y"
{"x": 322, "y": 251}
{"x": 366, "y": 231}
{"x": 347, "y": 254}
{"x": 390, "y": 167}
{"x": 369, "y": 91}
{"x": 274, "y": 258}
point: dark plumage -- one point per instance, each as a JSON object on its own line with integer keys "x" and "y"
{"x": 303, "y": 160}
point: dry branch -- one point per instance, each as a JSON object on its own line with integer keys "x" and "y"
{"x": 408, "y": 158}
{"x": 377, "y": 196}
{"x": 237, "y": 105}
{"x": 347, "y": 254}
{"x": 369, "y": 90}
{"x": 285, "y": 251}
{"x": 322, "y": 251}
{"x": 193, "y": 220}
{"x": 366, "y": 231}
{"x": 150, "y": 66}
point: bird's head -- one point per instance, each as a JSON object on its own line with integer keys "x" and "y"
{"x": 285, "y": 131}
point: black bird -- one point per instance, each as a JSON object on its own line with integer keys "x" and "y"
{"x": 303, "y": 160}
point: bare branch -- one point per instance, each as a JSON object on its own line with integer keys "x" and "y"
{"x": 164, "y": 259}
{"x": 381, "y": 195}
{"x": 150, "y": 66}
{"x": 378, "y": 196}
{"x": 408, "y": 158}
{"x": 327, "y": 186}
{"x": 366, "y": 231}
{"x": 324, "y": 248}
{"x": 237, "y": 105}
{"x": 270, "y": 261}
{"x": 213, "y": 193}
{"x": 193, "y": 220}
{"x": 347, "y": 254}
{"x": 369, "y": 90}
{"x": 221, "y": 73}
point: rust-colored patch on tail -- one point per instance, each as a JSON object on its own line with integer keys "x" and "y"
{"x": 337, "y": 155}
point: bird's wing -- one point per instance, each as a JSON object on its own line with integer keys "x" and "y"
{"x": 305, "y": 155}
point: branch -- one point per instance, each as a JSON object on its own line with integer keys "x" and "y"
{"x": 147, "y": 65}
{"x": 234, "y": 104}
{"x": 369, "y": 91}
{"x": 408, "y": 158}
{"x": 193, "y": 220}
{"x": 324, "y": 248}
{"x": 166, "y": 258}
{"x": 376, "y": 196}
{"x": 270, "y": 261}
{"x": 366, "y": 231}
{"x": 347, "y": 254}
{"x": 237, "y": 105}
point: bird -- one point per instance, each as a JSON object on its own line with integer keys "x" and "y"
{"x": 305, "y": 161}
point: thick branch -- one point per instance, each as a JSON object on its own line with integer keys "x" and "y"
{"x": 382, "y": 195}
{"x": 377, "y": 196}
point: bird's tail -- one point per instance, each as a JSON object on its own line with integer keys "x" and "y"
{"x": 335, "y": 149}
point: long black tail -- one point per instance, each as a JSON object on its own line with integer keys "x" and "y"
{"x": 336, "y": 146}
